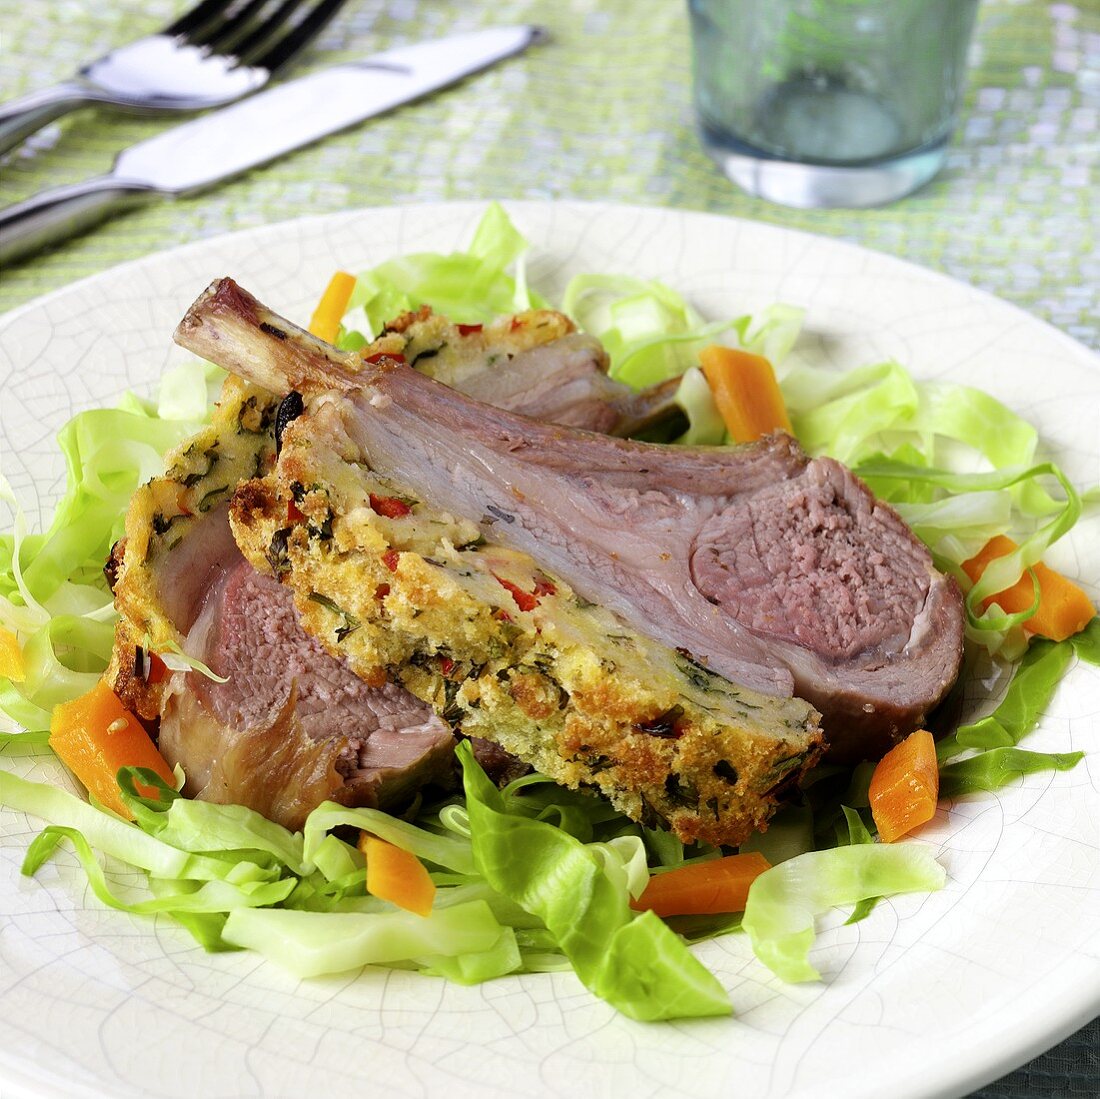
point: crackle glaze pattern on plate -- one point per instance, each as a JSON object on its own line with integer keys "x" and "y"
{"x": 932, "y": 995}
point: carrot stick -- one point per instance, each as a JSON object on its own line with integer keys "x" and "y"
{"x": 396, "y": 875}
{"x": 13, "y": 665}
{"x": 1064, "y": 609}
{"x": 905, "y": 786}
{"x": 95, "y": 736}
{"x": 720, "y": 885}
{"x": 746, "y": 393}
{"x": 325, "y": 322}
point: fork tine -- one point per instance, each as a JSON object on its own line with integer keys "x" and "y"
{"x": 248, "y": 47}
{"x": 298, "y": 37}
{"x": 219, "y": 36}
{"x": 196, "y": 18}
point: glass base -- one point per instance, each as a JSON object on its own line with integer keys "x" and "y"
{"x": 807, "y": 186}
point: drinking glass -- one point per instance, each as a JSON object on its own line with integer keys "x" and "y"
{"x": 829, "y": 102}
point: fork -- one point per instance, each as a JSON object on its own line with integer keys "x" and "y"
{"x": 219, "y": 51}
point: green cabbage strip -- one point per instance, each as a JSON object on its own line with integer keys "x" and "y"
{"x": 784, "y": 900}
{"x": 204, "y": 927}
{"x": 205, "y": 826}
{"x": 176, "y": 660}
{"x": 337, "y": 861}
{"x": 469, "y": 287}
{"x": 857, "y": 832}
{"x": 847, "y": 414}
{"x": 54, "y": 595}
{"x": 447, "y": 851}
{"x": 108, "y": 454}
{"x": 997, "y": 760}
{"x": 1086, "y": 644}
{"x": 636, "y": 963}
{"x": 989, "y": 627}
{"x": 35, "y": 738}
{"x": 652, "y": 333}
{"x": 1028, "y": 694}
{"x": 126, "y": 842}
{"x": 473, "y": 967}
{"x": 998, "y": 767}
{"x": 859, "y": 415}
{"x": 211, "y": 896}
{"x": 257, "y": 869}
{"x": 705, "y": 424}
{"x": 577, "y": 812}
{"x": 310, "y": 944}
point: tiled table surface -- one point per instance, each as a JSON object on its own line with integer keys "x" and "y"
{"x": 1014, "y": 212}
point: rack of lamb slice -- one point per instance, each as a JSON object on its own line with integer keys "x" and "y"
{"x": 282, "y": 743}
{"x": 619, "y": 614}
{"x": 779, "y": 573}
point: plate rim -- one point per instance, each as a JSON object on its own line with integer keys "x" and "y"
{"x": 510, "y": 204}
{"x": 1074, "y": 1013}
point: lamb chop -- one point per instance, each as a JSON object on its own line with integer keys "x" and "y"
{"x": 508, "y": 652}
{"x": 281, "y": 744}
{"x": 776, "y": 572}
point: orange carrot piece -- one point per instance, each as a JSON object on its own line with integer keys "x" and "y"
{"x": 1064, "y": 608}
{"x": 325, "y": 322}
{"x": 905, "y": 786}
{"x": 397, "y": 875}
{"x": 95, "y": 736}
{"x": 13, "y": 666}
{"x": 703, "y": 888}
{"x": 746, "y": 392}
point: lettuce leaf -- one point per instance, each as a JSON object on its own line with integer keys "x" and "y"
{"x": 784, "y": 900}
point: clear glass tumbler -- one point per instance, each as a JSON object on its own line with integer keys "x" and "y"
{"x": 829, "y": 102}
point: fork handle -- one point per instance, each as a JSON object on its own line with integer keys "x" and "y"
{"x": 19, "y": 118}
{"x": 62, "y": 212}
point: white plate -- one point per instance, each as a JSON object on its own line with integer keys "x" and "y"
{"x": 929, "y": 996}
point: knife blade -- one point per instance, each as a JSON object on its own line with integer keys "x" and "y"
{"x": 288, "y": 116}
{"x": 208, "y": 150}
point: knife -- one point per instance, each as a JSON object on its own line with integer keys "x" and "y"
{"x": 218, "y": 146}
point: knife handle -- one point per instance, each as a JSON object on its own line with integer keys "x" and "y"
{"x": 63, "y": 212}
{"x": 19, "y": 118}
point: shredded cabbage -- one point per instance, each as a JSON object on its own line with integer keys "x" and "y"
{"x": 54, "y": 595}
{"x": 535, "y": 878}
{"x": 470, "y": 287}
{"x": 634, "y": 962}
{"x": 784, "y": 900}
{"x": 313, "y": 943}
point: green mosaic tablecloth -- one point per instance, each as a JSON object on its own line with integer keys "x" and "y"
{"x": 604, "y": 113}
